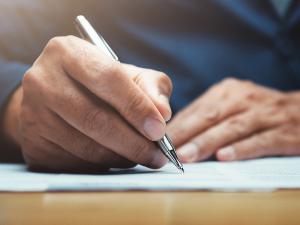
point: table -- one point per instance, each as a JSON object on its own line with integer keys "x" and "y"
{"x": 142, "y": 208}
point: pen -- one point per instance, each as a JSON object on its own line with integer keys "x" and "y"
{"x": 88, "y": 33}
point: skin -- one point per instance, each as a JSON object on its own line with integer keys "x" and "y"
{"x": 77, "y": 110}
{"x": 238, "y": 120}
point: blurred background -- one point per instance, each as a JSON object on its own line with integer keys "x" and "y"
{"x": 197, "y": 43}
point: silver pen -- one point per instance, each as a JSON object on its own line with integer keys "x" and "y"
{"x": 88, "y": 33}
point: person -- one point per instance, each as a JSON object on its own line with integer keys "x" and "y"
{"x": 234, "y": 67}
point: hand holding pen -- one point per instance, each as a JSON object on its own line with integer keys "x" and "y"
{"x": 83, "y": 111}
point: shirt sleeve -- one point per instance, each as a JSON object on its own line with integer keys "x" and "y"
{"x": 11, "y": 74}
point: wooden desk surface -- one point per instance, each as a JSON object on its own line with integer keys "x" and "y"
{"x": 105, "y": 208}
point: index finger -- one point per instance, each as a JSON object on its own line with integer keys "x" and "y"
{"x": 108, "y": 80}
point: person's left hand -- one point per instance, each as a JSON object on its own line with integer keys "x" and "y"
{"x": 238, "y": 120}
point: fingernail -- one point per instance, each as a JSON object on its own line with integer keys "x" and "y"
{"x": 154, "y": 129}
{"x": 227, "y": 154}
{"x": 165, "y": 101}
{"x": 188, "y": 152}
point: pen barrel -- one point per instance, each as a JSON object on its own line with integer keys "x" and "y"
{"x": 88, "y": 33}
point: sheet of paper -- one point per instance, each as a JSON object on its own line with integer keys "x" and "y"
{"x": 254, "y": 175}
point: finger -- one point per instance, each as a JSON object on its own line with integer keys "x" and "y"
{"x": 273, "y": 142}
{"x": 228, "y": 131}
{"x": 76, "y": 143}
{"x": 43, "y": 155}
{"x": 210, "y": 109}
{"x": 104, "y": 125}
{"x": 156, "y": 85}
{"x": 108, "y": 80}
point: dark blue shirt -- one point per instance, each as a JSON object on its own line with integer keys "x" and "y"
{"x": 197, "y": 43}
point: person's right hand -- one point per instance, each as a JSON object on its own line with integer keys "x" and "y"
{"x": 82, "y": 111}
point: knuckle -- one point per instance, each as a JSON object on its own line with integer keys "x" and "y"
{"x": 56, "y": 44}
{"x": 97, "y": 122}
{"x": 252, "y": 95}
{"x": 139, "y": 153}
{"x": 92, "y": 118}
{"x": 167, "y": 83}
{"x": 212, "y": 114}
{"x": 237, "y": 126}
{"x": 230, "y": 81}
{"x": 204, "y": 145}
{"x": 62, "y": 47}
{"x": 136, "y": 104}
{"x": 30, "y": 79}
{"x": 70, "y": 38}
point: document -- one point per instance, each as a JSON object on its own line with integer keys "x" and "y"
{"x": 266, "y": 174}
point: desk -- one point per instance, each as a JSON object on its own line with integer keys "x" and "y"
{"x": 142, "y": 208}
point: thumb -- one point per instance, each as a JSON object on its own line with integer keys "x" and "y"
{"x": 157, "y": 86}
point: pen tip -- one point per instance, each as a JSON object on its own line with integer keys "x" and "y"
{"x": 182, "y": 170}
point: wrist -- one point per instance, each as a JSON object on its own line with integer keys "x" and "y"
{"x": 11, "y": 116}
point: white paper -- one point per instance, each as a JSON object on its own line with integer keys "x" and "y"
{"x": 254, "y": 175}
